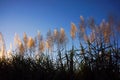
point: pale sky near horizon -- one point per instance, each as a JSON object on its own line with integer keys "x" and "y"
{"x": 18, "y": 16}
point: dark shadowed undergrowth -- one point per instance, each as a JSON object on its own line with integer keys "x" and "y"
{"x": 97, "y": 56}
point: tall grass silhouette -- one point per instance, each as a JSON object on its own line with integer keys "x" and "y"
{"x": 96, "y": 56}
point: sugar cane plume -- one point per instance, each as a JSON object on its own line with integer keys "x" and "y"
{"x": 73, "y": 30}
{"x": 18, "y": 43}
{"x": 50, "y": 40}
{"x": 30, "y": 43}
{"x": 39, "y": 36}
{"x": 25, "y": 40}
{"x": 2, "y": 46}
{"x": 56, "y": 35}
{"x": 81, "y": 29}
{"x": 62, "y": 36}
{"x": 105, "y": 30}
{"x": 42, "y": 46}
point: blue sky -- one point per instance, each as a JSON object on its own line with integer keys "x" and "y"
{"x": 32, "y": 15}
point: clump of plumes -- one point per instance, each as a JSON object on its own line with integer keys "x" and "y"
{"x": 73, "y": 30}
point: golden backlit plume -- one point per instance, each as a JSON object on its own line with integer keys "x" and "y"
{"x": 21, "y": 48}
{"x": 19, "y": 44}
{"x": 62, "y": 36}
{"x": 25, "y": 38}
{"x": 30, "y": 43}
{"x": 42, "y": 46}
{"x": 2, "y": 46}
{"x": 73, "y": 30}
{"x": 55, "y": 32}
{"x": 17, "y": 40}
{"x": 56, "y": 35}
{"x": 82, "y": 28}
{"x": 49, "y": 45}
{"x": 2, "y": 51}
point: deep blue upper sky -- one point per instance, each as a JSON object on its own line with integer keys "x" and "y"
{"x": 32, "y": 15}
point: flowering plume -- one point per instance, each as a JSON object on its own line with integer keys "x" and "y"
{"x": 19, "y": 44}
{"x": 73, "y": 30}
{"x": 107, "y": 33}
{"x": 2, "y": 46}
{"x": 38, "y": 36}
{"x": 42, "y": 46}
{"x": 30, "y": 43}
{"x": 25, "y": 40}
{"x": 17, "y": 40}
{"x": 50, "y": 39}
{"x": 81, "y": 29}
{"x": 56, "y": 33}
{"x": 62, "y": 36}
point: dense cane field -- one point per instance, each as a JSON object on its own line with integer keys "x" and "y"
{"x": 96, "y": 56}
